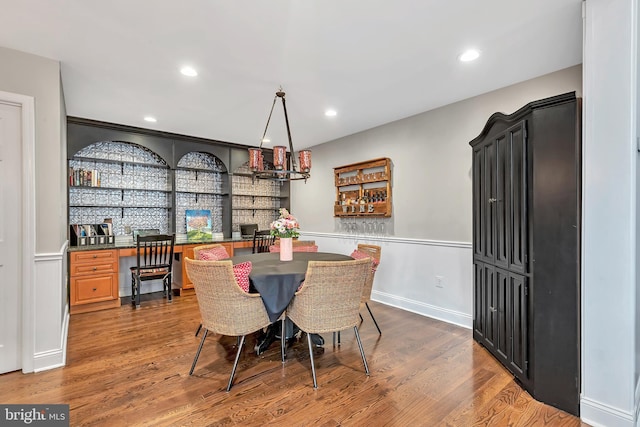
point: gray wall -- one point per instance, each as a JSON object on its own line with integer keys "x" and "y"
{"x": 39, "y": 77}
{"x": 431, "y": 161}
{"x": 44, "y": 315}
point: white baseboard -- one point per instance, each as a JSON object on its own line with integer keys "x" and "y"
{"x": 599, "y": 414}
{"x": 450, "y": 316}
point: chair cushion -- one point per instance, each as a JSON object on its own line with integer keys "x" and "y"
{"x": 356, "y": 254}
{"x": 241, "y": 271}
{"x": 213, "y": 254}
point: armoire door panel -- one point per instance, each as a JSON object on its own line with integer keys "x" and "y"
{"x": 518, "y": 219}
{"x": 479, "y": 298}
{"x": 503, "y": 331}
{"x": 491, "y": 312}
{"x": 501, "y": 200}
{"x": 489, "y": 235}
{"x": 478, "y": 201}
{"x": 518, "y": 301}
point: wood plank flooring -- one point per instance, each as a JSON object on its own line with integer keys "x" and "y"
{"x": 129, "y": 367}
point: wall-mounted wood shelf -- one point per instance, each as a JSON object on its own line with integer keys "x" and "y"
{"x": 363, "y": 189}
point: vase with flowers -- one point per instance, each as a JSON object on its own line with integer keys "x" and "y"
{"x": 286, "y": 228}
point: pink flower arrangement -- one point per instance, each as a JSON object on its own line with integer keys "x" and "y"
{"x": 285, "y": 226}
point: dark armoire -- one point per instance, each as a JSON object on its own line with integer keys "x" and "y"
{"x": 526, "y": 246}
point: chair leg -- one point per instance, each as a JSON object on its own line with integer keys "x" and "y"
{"x": 283, "y": 333}
{"x": 133, "y": 288}
{"x": 138, "y": 283}
{"x": 235, "y": 363}
{"x": 374, "y": 319}
{"x": 169, "y": 293}
{"x": 361, "y": 319}
{"x": 198, "y": 330}
{"x": 364, "y": 359}
{"x": 195, "y": 359}
{"x": 313, "y": 367}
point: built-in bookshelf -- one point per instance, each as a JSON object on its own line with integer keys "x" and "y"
{"x": 201, "y": 183}
{"x": 123, "y": 181}
{"x": 255, "y": 201}
{"x": 146, "y": 179}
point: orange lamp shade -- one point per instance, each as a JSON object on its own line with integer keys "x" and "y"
{"x": 279, "y": 156}
{"x": 305, "y": 160}
{"x": 261, "y": 163}
{"x": 255, "y": 159}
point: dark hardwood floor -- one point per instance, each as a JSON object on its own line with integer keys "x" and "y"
{"x": 131, "y": 367}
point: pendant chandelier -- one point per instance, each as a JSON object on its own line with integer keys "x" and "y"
{"x": 284, "y": 169}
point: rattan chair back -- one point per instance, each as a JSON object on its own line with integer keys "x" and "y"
{"x": 329, "y": 299}
{"x": 197, "y": 249}
{"x": 225, "y": 308}
{"x": 374, "y": 252}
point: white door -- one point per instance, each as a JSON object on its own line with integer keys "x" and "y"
{"x": 10, "y": 231}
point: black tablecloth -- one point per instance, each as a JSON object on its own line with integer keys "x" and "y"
{"x": 277, "y": 281}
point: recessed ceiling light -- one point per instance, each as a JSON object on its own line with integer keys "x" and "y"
{"x": 266, "y": 140}
{"x": 188, "y": 71}
{"x": 469, "y": 55}
{"x": 150, "y": 119}
{"x": 330, "y": 113}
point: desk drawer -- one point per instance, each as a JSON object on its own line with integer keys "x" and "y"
{"x": 99, "y": 266}
{"x": 85, "y": 290}
{"x": 89, "y": 257}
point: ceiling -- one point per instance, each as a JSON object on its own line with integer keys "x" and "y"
{"x": 373, "y": 61}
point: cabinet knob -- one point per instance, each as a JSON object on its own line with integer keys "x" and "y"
{"x": 95, "y": 268}
{"x": 95, "y": 289}
{"x": 95, "y": 256}
{"x": 492, "y": 200}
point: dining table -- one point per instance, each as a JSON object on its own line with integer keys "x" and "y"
{"x": 277, "y": 281}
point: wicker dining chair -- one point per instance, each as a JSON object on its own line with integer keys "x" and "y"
{"x": 374, "y": 252}
{"x": 329, "y": 301}
{"x": 211, "y": 252}
{"x": 225, "y": 308}
{"x": 299, "y": 248}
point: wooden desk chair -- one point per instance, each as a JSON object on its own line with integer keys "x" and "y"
{"x": 262, "y": 239}
{"x": 225, "y": 308}
{"x": 154, "y": 260}
{"x": 329, "y": 301}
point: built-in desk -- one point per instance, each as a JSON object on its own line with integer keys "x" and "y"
{"x": 94, "y": 271}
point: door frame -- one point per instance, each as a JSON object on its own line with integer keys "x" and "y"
{"x": 27, "y": 128}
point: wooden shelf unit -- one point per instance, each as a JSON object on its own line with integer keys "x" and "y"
{"x": 356, "y": 180}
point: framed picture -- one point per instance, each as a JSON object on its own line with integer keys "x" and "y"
{"x": 198, "y": 224}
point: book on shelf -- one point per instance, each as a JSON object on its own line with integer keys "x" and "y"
{"x": 198, "y": 224}
{"x": 79, "y": 177}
